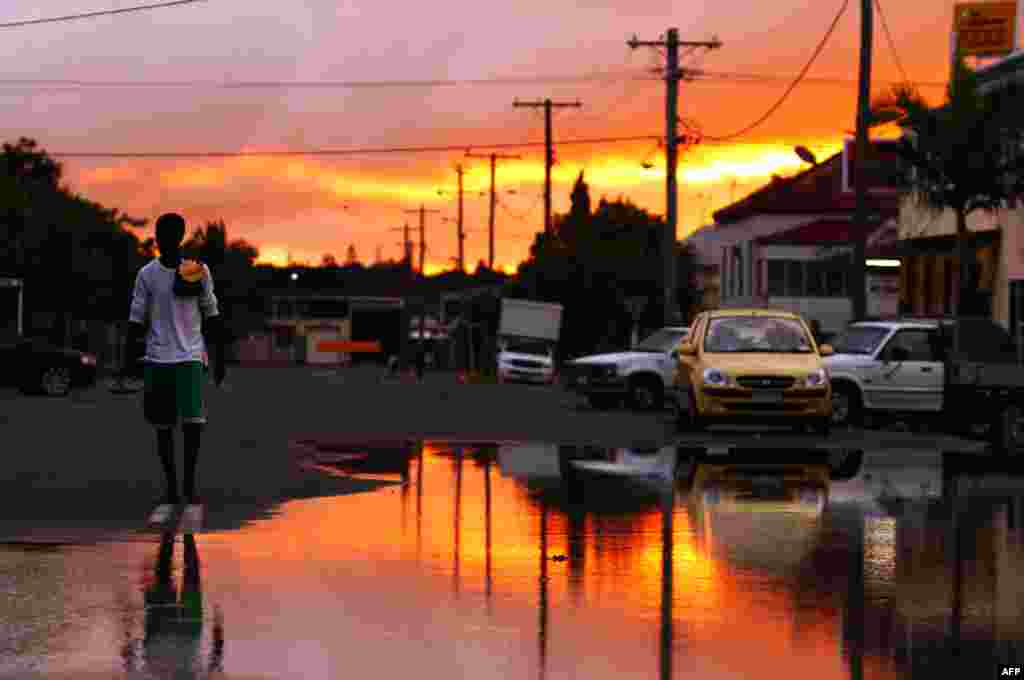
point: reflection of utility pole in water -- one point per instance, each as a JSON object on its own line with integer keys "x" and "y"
{"x": 487, "y": 531}
{"x": 576, "y": 550}
{"x": 458, "y": 514}
{"x": 957, "y": 604}
{"x": 419, "y": 502}
{"x": 853, "y": 609}
{"x": 667, "y": 518}
{"x": 542, "y": 630}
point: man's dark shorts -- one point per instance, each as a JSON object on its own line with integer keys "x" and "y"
{"x": 174, "y": 393}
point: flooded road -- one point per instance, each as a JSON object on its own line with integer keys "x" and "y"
{"x": 538, "y": 561}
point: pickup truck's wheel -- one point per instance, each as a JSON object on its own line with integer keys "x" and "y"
{"x": 646, "y": 393}
{"x": 847, "y": 406}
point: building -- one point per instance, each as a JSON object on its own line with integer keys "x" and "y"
{"x": 296, "y": 323}
{"x": 790, "y": 242}
{"x": 930, "y": 283}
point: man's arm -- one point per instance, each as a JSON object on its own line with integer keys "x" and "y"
{"x": 138, "y": 317}
{"x": 213, "y": 327}
{"x": 215, "y": 335}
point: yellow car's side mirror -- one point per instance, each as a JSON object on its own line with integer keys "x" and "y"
{"x": 826, "y": 350}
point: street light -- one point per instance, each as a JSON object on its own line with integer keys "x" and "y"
{"x": 806, "y": 155}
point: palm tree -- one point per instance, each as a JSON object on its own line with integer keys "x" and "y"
{"x": 963, "y": 156}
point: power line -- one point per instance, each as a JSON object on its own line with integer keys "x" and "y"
{"x": 344, "y": 152}
{"x": 100, "y": 13}
{"x": 789, "y": 90}
{"x": 12, "y": 86}
{"x": 708, "y": 76}
{"x": 892, "y": 44}
{"x": 600, "y": 78}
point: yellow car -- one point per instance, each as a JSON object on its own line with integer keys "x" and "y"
{"x": 752, "y": 365}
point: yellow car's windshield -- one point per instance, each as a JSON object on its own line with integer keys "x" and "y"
{"x": 757, "y": 334}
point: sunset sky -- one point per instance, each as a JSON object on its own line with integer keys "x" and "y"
{"x": 313, "y": 205}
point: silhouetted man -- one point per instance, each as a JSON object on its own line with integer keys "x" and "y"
{"x": 170, "y": 298}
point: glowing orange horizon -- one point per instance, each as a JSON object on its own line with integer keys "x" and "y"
{"x": 363, "y": 206}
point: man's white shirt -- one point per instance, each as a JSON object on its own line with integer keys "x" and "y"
{"x": 174, "y": 324}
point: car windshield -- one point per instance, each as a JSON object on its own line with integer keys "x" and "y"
{"x": 757, "y": 334}
{"x": 661, "y": 341}
{"x": 526, "y": 347}
{"x": 859, "y": 339}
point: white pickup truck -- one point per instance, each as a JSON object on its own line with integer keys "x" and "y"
{"x": 640, "y": 375}
{"x": 900, "y": 367}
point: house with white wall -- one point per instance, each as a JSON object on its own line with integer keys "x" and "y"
{"x": 820, "y": 202}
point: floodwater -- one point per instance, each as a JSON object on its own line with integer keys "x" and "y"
{"x": 513, "y": 561}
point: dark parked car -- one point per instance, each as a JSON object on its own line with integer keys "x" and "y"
{"x": 37, "y": 366}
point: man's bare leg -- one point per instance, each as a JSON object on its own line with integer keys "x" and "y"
{"x": 192, "y": 433}
{"x": 165, "y": 447}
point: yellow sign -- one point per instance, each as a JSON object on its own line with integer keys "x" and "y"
{"x": 985, "y": 29}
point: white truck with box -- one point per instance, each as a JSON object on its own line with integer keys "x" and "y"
{"x": 527, "y": 337}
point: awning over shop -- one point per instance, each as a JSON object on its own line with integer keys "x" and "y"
{"x": 944, "y": 245}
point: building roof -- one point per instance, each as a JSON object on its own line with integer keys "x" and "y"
{"x": 818, "y": 189}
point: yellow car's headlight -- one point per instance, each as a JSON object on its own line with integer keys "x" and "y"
{"x": 714, "y": 377}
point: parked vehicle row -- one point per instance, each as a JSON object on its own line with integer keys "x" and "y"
{"x": 35, "y": 365}
{"x": 765, "y": 366}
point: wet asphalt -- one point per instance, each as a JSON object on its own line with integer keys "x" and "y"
{"x": 364, "y": 528}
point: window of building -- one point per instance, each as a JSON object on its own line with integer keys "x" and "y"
{"x": 327, "y": 309}
{"x": 795, "y": 278}
{"x": 817, "y": 271}
{"x": 283, "y": 337}
{"x": 836, "y": 282}
{"x": 776, "y": 275}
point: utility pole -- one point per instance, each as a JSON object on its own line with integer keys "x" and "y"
{"x": 673, "y": 75}
{"x": 549, "y": 155}
{"x": 423, "y": 249}
{"x": 406, "y": 245}
{"x": 461, "y": 234}
{"x": 490, "y": 221}
{"x": 860, "y": 215}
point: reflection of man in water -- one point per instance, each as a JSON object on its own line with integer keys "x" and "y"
{"x": 173, "y": 622}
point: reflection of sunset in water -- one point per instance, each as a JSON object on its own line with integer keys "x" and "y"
{"x": 612, "y": 576}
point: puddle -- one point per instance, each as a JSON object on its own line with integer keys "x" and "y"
{"x": 535, "y": 560}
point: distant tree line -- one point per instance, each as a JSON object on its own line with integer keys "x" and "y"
{"x": 79, "y": 259}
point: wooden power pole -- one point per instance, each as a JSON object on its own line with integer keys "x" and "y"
{"x": 490, "y": 221}
{"x": 423, "y": 249}
{"x": 549, "y": 156}
{"x": 673, "y": 75}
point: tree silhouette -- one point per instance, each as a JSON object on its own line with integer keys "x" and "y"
{"x": 328, "y": 260}
{"x": 351, "y": 258}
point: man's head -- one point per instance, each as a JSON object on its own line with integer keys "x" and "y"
{"x": 170, "y": 231}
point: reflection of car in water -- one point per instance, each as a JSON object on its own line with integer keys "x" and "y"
{"x": 762, "y": 516}
{"x": 604, "y": 479}
{"x": 170, "y": 646}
